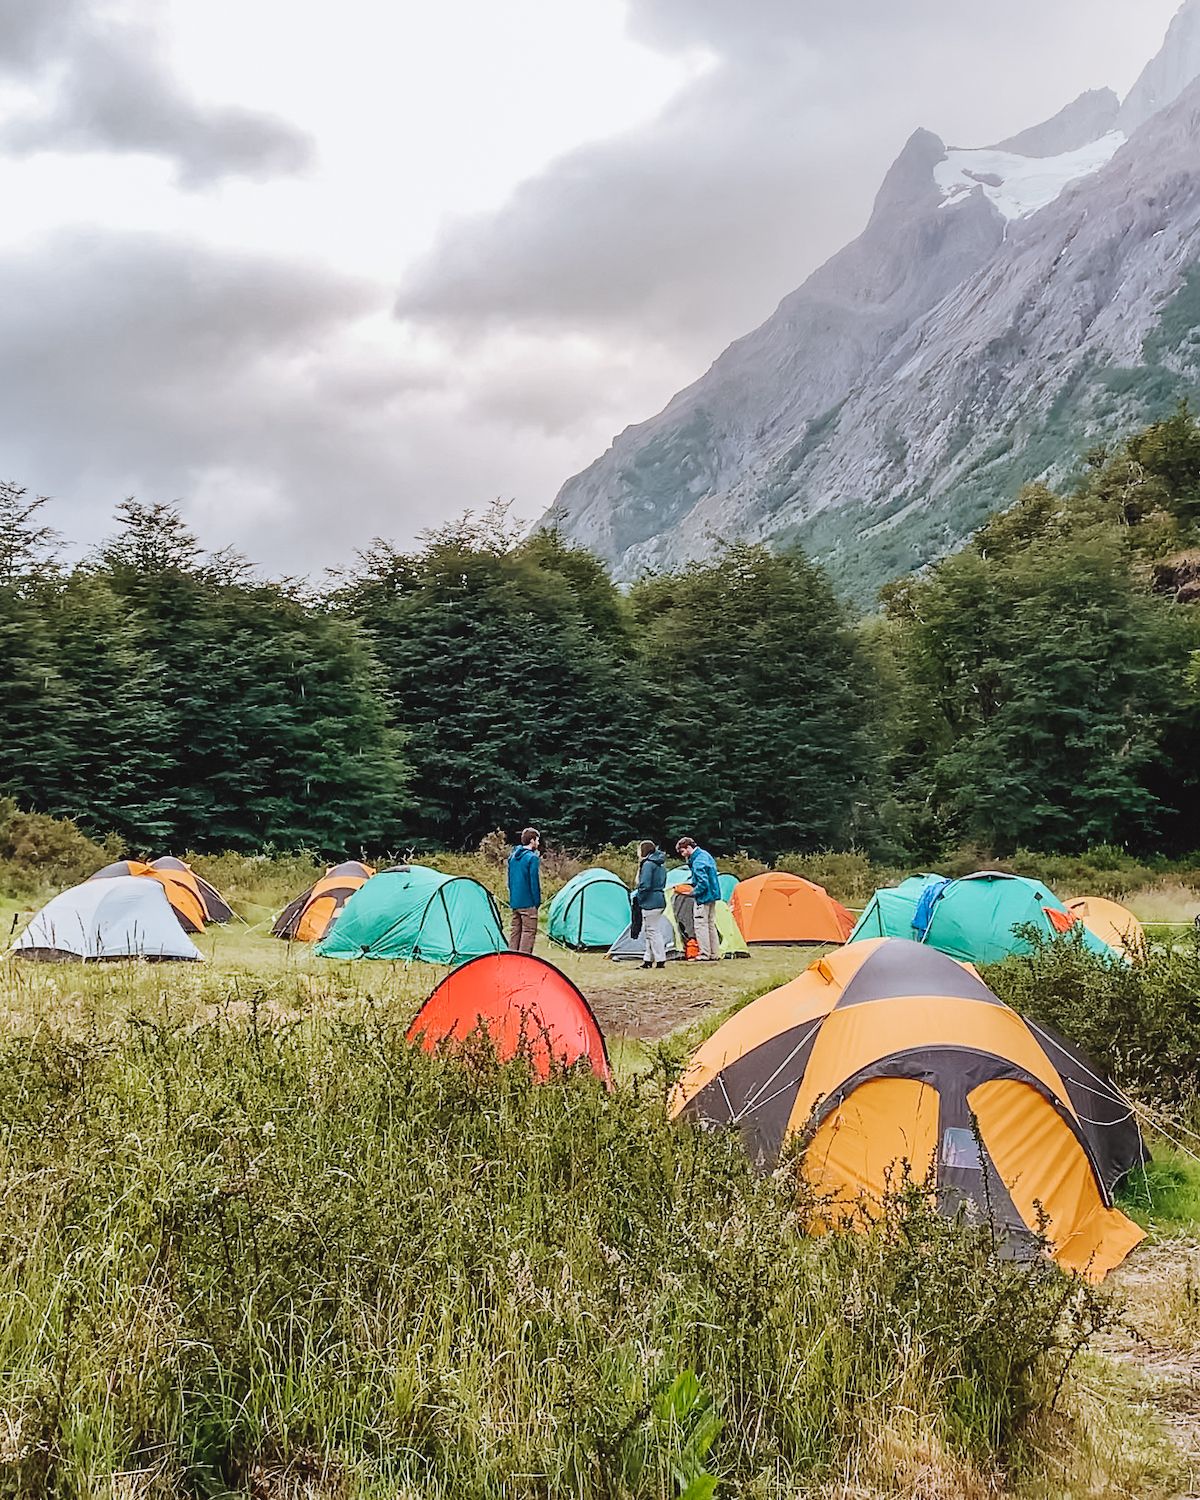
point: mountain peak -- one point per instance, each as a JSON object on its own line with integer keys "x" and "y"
{"x": 1169, "y": 74}
{"x": 1090, "y": 116}
{"x": 910, "y": 177}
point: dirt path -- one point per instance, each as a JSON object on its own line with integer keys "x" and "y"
{"x": 1161, "y": 1345}
{"x": 646, "y": 1013}
{"x": 645, "y": 1005}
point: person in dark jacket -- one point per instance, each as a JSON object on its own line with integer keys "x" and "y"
{"x": 706, "y": 888}
{"x": 651, "y": 899}
{"x": 525, "y": 890}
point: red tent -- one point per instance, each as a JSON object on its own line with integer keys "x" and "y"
{"x": 526, "y": 1006}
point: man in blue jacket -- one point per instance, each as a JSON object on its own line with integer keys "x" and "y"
{"x": 525, "y": 890}
{"x": 706, "y": 888}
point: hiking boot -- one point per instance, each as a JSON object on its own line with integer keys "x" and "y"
{"x": 660, "y": 966}
{"x": 646, "y": 965}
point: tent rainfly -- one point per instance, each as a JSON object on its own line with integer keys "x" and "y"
{"x": 890, "y": 1060}
{"x": 181, "y": 886}
{"x": 976, "y": 919}
{"x": 781, "y": 908}
{"x": 311, "y": 916}
{"x": 413, "y": 912}
{"x": 120, "y": 917}
{"x": 590, "y": 912}
{"x": 216, "y": 908}
{"x": 525, "y": 1007}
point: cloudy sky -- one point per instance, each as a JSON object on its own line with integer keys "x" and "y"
{"x": 327, "y": 271}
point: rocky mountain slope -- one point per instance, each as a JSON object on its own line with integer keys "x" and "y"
{"x": 1001, "y": 307}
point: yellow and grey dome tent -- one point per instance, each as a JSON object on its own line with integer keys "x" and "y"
{"x": 886, "y": 1056}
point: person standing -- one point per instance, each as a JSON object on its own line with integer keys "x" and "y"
{"x": 651, "y": 899}
{"x": 706, "y": 892}
{"x": 525, "y": 890}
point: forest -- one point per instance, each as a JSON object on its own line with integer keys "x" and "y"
{"x": 1039, "y": 688}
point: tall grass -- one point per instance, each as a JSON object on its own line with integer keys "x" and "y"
{"x": 231, "y": 1249}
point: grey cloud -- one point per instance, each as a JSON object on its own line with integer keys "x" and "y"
{"x": 235, "y": 384}
{"x": 690, "y": 229}
{"x": 111, "y": 91}
{"x": 28, "y": 31}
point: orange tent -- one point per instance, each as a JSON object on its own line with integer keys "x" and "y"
{"x": 182, "y": 888}
{"x": 311, "y": 916}
{"x": 1112, "y": 923}
{"x": 782, "y": 908}
{"x": 527, "y": 1008}
{"x": 216, "y": 908}
{"x": 888, "y": 1059}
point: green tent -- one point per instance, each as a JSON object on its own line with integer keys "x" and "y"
{"x": 415, "y": 912}
{"x": 733, "y": 944}
{"x": 972, "y": 919}
{"x": 591, "y": 910}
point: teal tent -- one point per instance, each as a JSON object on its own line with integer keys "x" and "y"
{"x": 414, "y": 912}
{"x": 973, "y": 919}
{"x": 591, "y": 910}
{"x": 682, "y": 876}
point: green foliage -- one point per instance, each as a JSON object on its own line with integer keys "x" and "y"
{"x": 1140, "y": 1021}
{"x": 1043, "y": 682}
{"x": 1176, "y": 333}
{"x": 40, "y": 853}
{"x": 177, "y": 702}
{"x": 1166, "y": 1193}
{"x": 1038, "y": 688}
{"x": 764, "y": 694}
{"x": 507, "y": 663}
{"x": 228, "y": 1247}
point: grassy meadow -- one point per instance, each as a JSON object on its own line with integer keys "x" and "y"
{"x": 255, "y": 1245}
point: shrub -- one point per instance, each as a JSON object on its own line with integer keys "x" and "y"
{"x": 39, "y": 853}
{"x": 230, "y": 1249}
{"x": 1140, "y": 1021}
{"x": 270, "y": 879}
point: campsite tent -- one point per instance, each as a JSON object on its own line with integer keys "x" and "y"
{"x": 419, "y": 913}
{"x": 181, "y": 886}
{"x": 887, "y": 1054}
{"x": 310, "y": 917}
{"x": 727, "y": 884}
{"x": 120, "y": 917}
{"x": 1112, "y": 923}
{"x": 733, "y": 944}
{"x": 216, "y": 908}
{"x": 973, "y": 919}
{"x": 525, "y": 1005}
{"x": 591, "y": 910}
{"x": 782, "y": 908}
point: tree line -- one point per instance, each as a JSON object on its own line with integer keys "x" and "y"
{"x": 1040, "y": 687}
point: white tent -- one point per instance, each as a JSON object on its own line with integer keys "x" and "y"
{"x": 125, "y": 917}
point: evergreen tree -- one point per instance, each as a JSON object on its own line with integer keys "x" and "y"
{"x": 32, "y": 746}
{"x": 508, "y": 663}
{"x": 1043, "y": 677}
{"x": 767, "y": 695}
{"x": 269, "y": 716}
{"x": 114, "y": 776}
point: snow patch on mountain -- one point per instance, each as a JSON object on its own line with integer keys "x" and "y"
{"x": 1020, "y": 185}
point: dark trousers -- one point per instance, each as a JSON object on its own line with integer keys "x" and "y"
{"x": 523, "y": 930}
